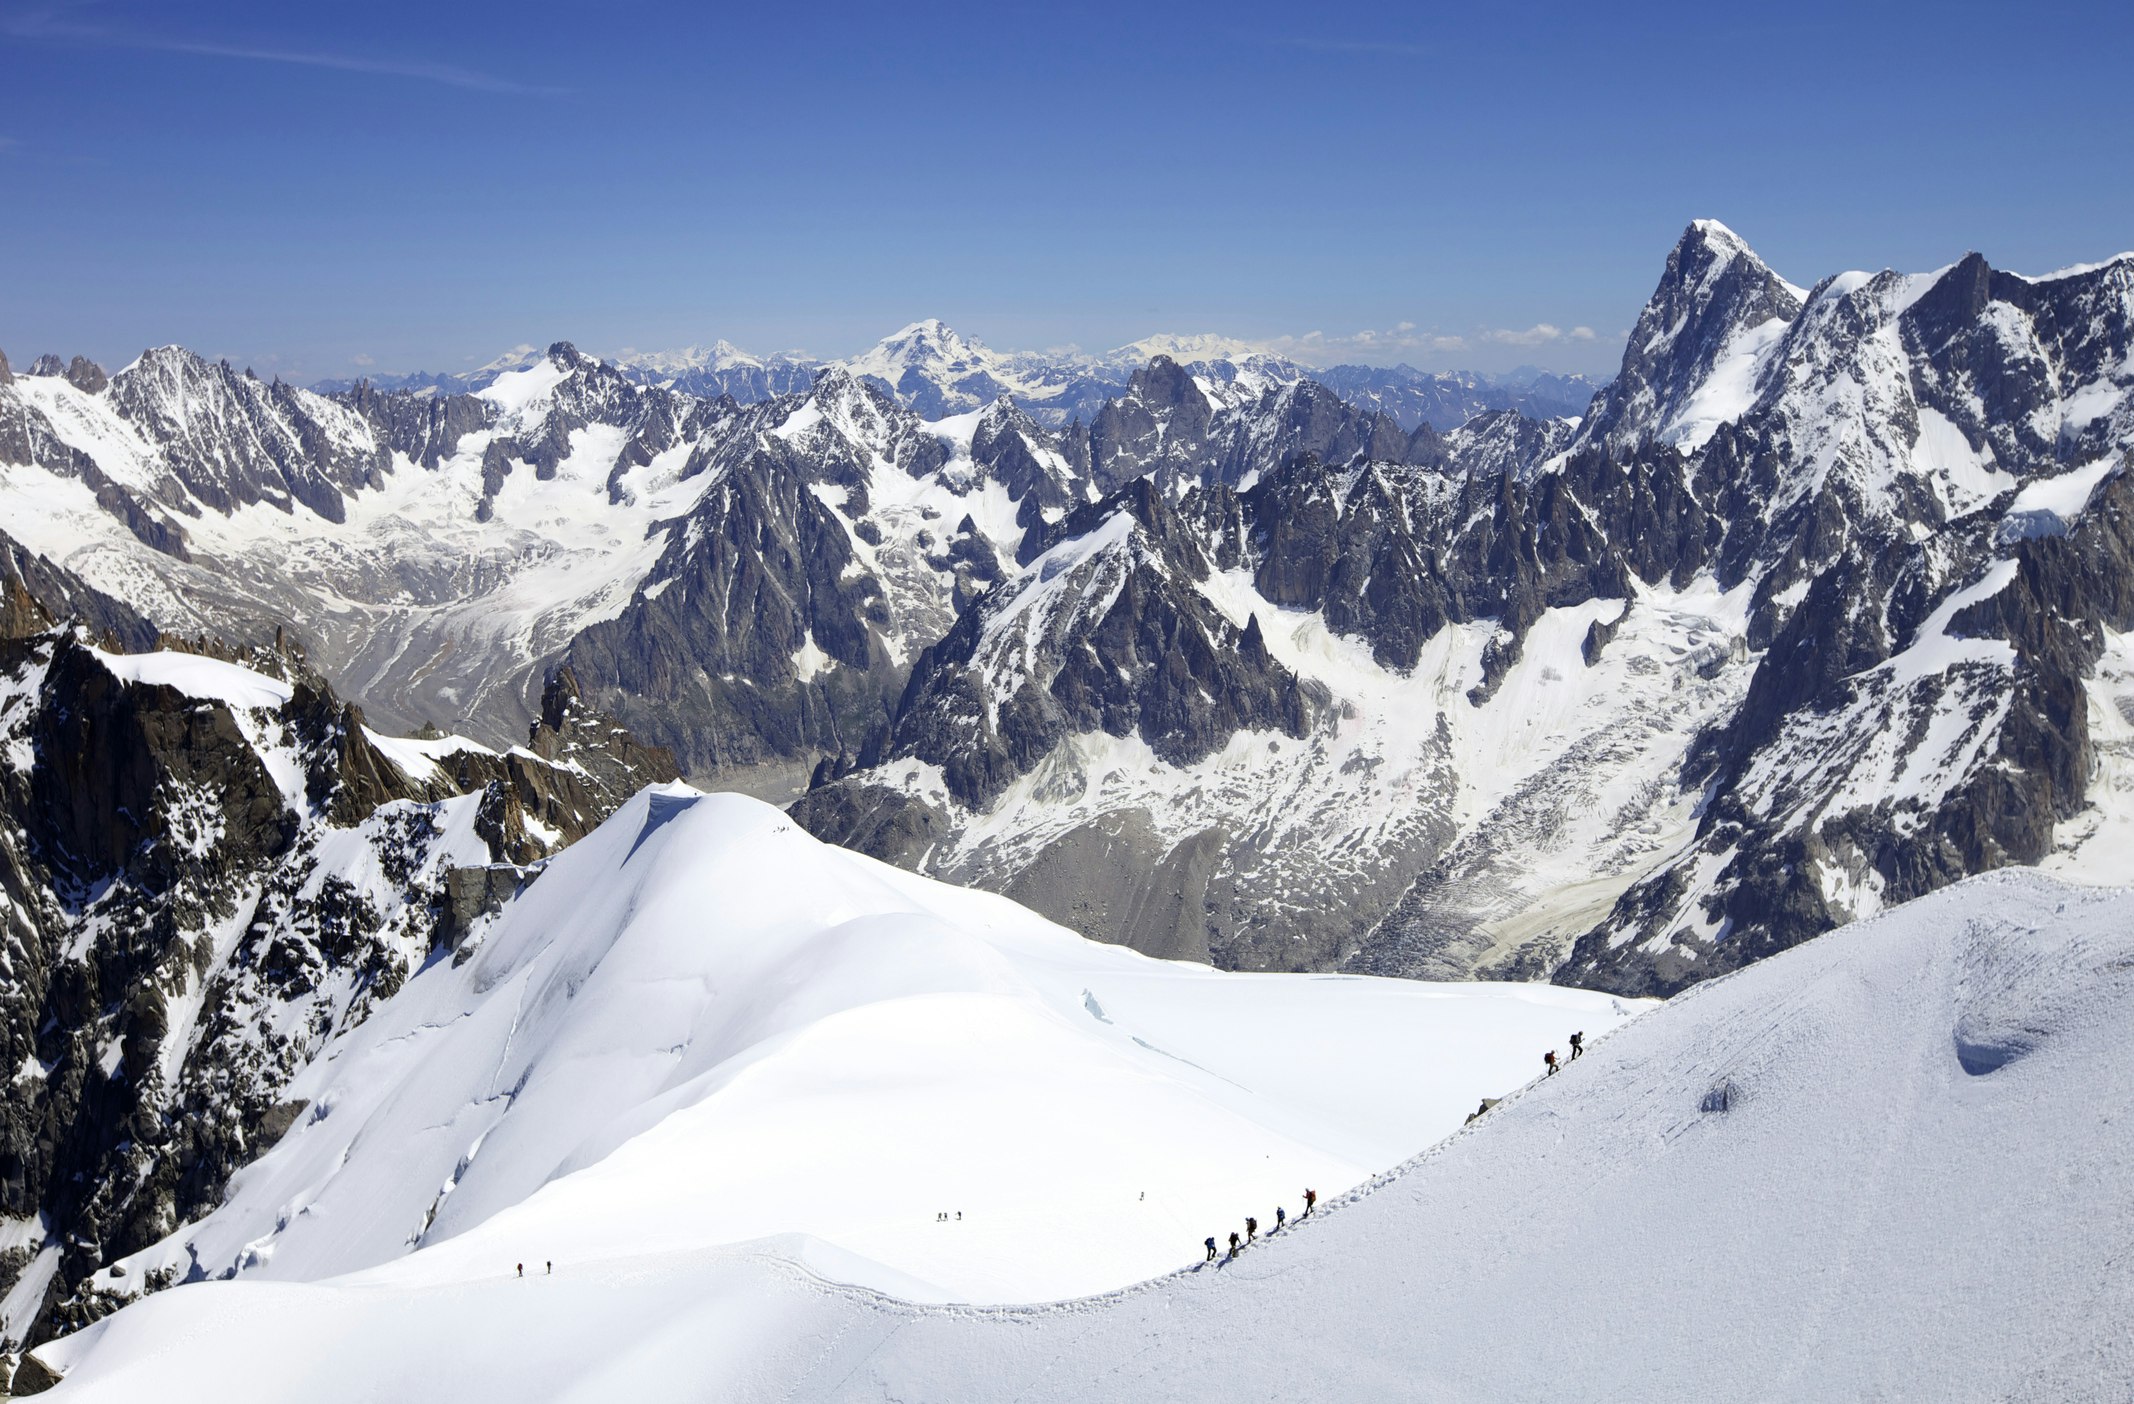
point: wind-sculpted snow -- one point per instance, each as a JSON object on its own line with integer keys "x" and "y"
{"x": 700, "y": 1026}
{"x": 1880, "y": 1165}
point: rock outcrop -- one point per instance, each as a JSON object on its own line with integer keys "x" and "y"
{"x": 208, "y": 866}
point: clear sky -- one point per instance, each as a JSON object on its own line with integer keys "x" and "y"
{"x": 321, "y": 189}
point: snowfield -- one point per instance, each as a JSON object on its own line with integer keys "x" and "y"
{"x": 1890, "y": 1163}
{"x": 702, "y": 1026}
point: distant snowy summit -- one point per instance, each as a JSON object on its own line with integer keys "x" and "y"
{"x": 934, "y": 371}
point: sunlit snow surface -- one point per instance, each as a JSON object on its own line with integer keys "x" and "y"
{"x": 1889, "y": 1163}
{"x": 701, "y": 1026}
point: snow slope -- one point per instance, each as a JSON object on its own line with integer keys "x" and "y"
{"x": 702, "y": 1026}
{"x": 1889, "y": 1163}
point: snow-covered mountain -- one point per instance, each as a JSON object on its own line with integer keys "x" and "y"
{"x": 1879, "y": 1165}
{"x": 933, "y": 371}
{"x": 430, "y": 384}
{"x": 208, "y": 869}
{"x": 1823, "y": 607}
{"x": 700, "y": 1027}
{"x": 440, "y": 553}
{"x": 721, "y": 369}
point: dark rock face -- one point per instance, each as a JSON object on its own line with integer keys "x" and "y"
{"x": 426, "y": 430}
{"x": 710, "y": 660}
{"x": 32, "y": 1376}
{"x": 1904, "y": 700}
{"x": 1714, "y": 288}
{"x": 1126, "y": 647}
{"x": 585, "y": 763}
{"x": 35, "y": 595}
{"x": 289, "y": 452}
{"x": 185, "y": 928}
{"x": 1831, "y": 686}
{"x": 1010, "y": 449}
{"x": 87, "y": 376}
{"x": 1170, "y": 426}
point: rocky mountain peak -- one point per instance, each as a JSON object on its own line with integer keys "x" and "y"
{"x": 558, "y": 695}
{"x": 935, "y": 371}
{"x": 1690, "y": 359}
{"x": 1163, "y": 380}
{"x": 927, "y": 336}
{"x": 87, "y": 376}
{"x": 229, "y": 440}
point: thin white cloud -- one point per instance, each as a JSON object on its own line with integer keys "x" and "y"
{"x": 49, "y": 26}
{"x": 363, "y": 358}
{"x": 1423, "y": 345}
{"x": 1368, "y": 344}
{"x": 448, "y": 74}
{"x": 1540, "y": 334}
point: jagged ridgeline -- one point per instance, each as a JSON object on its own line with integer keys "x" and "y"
{"x": 1823, "y": 603}
{"x": 1818, "y": 606}
{"x": 209, "y": 866}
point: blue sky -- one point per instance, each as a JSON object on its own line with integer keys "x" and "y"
{"x": 318, "y": 189}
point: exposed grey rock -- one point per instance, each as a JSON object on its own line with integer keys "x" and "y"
{"x": 87, "y": 376}
{"x": 1713, "y": 290}
{"x": 182, "y": 938}
{"x": 709, "y": 665}
{"x": 32, "y": 1376}
{"x": 286, "y": 453}
{"x": 36, "y": 595}
{"x": 1820, "y": 496}
{"x": 1599, "y": 634}
{"x": 474, "y": 894}
{"x": 1154, "y": 660}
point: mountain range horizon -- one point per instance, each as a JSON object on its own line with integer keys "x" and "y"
{"x": 1192, "y": 702}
